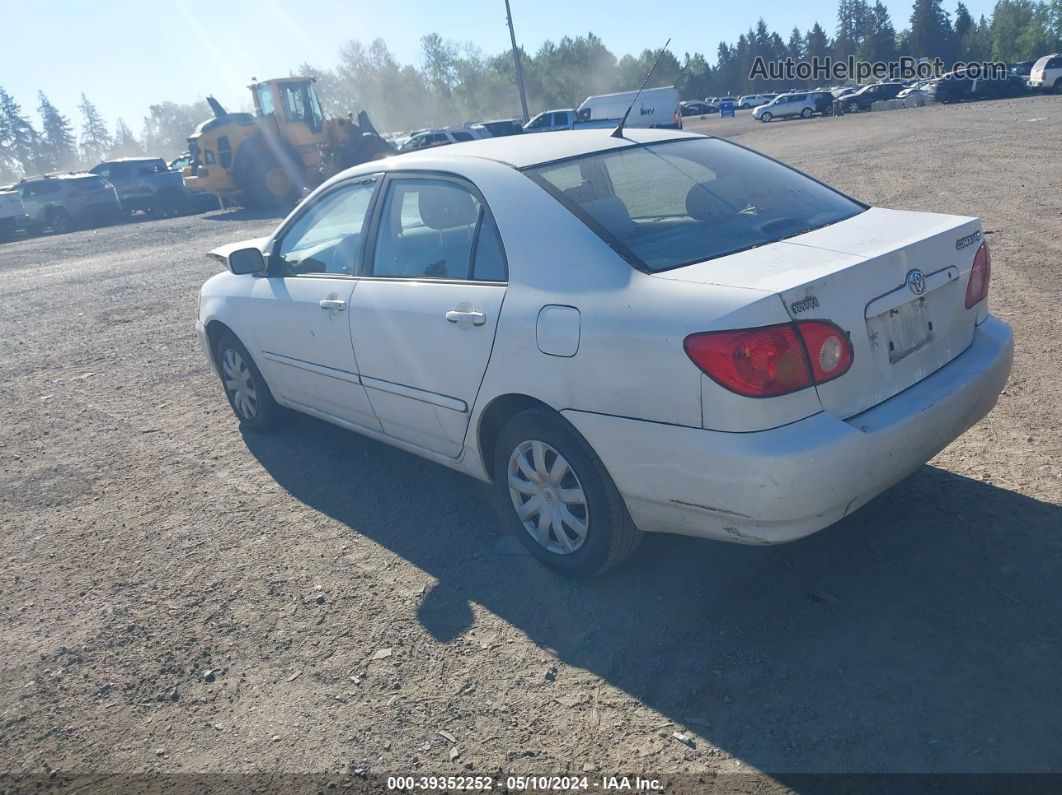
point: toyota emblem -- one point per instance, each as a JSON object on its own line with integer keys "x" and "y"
{"x": 916, "y": 281}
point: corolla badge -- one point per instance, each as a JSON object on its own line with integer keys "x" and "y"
{"x": 916, "y": 281}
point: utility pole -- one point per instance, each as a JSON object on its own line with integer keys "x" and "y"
{"x": 516, "y": 58}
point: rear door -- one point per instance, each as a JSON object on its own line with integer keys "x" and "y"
{"x": 423, "y": 317}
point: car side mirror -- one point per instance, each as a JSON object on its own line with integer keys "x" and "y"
{"x": 245, "y": 260}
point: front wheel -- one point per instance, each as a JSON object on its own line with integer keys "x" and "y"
{"x": 559, "y": 499}
{"x": 246, "y": 389}
{"x": 851, "y": 107}
{"x": 805, "y": 113}
{"x": 766, "y": 117}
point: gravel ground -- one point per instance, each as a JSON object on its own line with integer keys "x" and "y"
{"x": 355, "y": 606}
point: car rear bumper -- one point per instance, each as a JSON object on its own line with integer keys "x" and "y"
{"x": 773, "y": 486}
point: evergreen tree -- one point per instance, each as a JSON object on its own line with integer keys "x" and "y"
{"x": 879, "y": 40}
{"x": 95, "y": 138}
{"x": 18, "y": 139}
{"x": 124, "y": 143}
{"x": 57, "y": 149}
{"x": 931, "y": 33}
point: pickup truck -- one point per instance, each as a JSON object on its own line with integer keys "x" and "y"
{"x": 550, "y": 120}
{"x": 146, "y": 183}
{"x": 12, "y": 213}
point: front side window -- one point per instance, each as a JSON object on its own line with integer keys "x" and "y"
{"x": 327, "y": 238}
{"x": 429, "y": 229}
{"x": 265, "y": 99}
{"x": 675, "y": 203}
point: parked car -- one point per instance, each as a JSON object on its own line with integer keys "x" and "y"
{"x": 504, "y": 127}
{"x": 714, "y": 366}
{"x": 12, "y": 212}
{"x": 823, "y": 101}
{"x": 868, "y": 95}
{"x": 800, "y": 104}
{"x": 654, "y": 107}
{"x": 958, "y": 87}
{"x": 565, "y": 119}
{"x": 754, "y": 100}
{"x": 1021, "y": 70}
{"x": 147, "y": 184}
{"x": 1046, "y": 73}
{"x": 62, "y": 202}
{"x": 697, "y": 108}
{"x": 432, "y": 138}
{"x": 844, "y": 91}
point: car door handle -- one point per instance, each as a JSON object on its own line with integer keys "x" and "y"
{"x": 333, "y": 303}
{"x": 458, "y": 315}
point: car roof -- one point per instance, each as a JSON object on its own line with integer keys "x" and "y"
{"x": 531, "y": 149}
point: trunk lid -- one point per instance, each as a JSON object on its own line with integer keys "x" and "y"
{"x": 863, "y": 275}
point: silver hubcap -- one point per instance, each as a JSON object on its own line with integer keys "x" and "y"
{"x": 548, "y": 497}
{"x": 240, "y": 384}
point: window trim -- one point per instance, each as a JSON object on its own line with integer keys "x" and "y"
{"x": 275, "y": 264}
{"x": 369, "y": 251}
{"x": 627, "y": 254}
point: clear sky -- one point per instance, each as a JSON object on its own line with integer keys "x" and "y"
{"x": 128, "y": 54}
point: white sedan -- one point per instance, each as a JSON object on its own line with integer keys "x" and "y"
{"x": 656, "y": 333}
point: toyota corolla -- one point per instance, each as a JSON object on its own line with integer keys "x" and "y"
{"x": 660, "y": 332}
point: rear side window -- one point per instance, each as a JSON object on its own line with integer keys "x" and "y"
{"x": 462, "y": 136}
{"x": 672, "y": 204}
{"x": 427, "y": 228}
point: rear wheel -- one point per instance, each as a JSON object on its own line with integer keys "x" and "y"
{"x": 1058, "y": 86}
{"x": 59, "y": 220}
{"x": 246, "y": 389}
{"x": 805, "y": 113}
{"x": 559, "y": 499}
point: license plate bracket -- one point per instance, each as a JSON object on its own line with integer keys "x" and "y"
{"x": 906, "y": 328}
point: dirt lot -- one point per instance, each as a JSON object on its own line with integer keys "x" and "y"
{"x": 145, "y": 542}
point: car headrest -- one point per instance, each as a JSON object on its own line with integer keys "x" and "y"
{"x": 704, "y": 202}
{"x": 445, "y": 206}
{"x": 610, "y": 212}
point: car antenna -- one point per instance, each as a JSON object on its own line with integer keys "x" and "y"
{"x": 618, "y": 132}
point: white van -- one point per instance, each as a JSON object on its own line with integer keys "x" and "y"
{"x": 656, "y": 107}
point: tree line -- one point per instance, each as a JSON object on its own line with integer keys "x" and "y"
{"x": 458, "y": 82}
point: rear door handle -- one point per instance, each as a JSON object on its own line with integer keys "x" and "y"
{"x": 333, "y": 303}
{"x": 459, "y": 316}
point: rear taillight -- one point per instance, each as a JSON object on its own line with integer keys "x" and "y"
{"x": 980, "y": 274}
{"x": 772, "y": 360}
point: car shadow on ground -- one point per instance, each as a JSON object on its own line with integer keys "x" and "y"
{"x": 921, "y": 634}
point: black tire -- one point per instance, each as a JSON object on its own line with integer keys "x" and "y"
{"x": 60, "y": 221}
{"x": 805, "y": 113}
{"x": 171, "y": 203}
{"x": 1058, "y": 86}
{"x": 851, "y": 107}
{"x": 610, "y": 536}
{"x": 267, "y": 183}
{"x": 263, "y": 413}
{"x": 766, "y": 116}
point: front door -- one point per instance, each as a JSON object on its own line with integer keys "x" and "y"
{"x": 423, "y": 317}
{"x": 304, "y": 340}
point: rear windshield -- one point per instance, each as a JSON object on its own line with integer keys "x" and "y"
{"x": 670, "y": 204}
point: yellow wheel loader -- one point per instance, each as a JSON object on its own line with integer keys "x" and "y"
{"x": 268, "y": 158}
